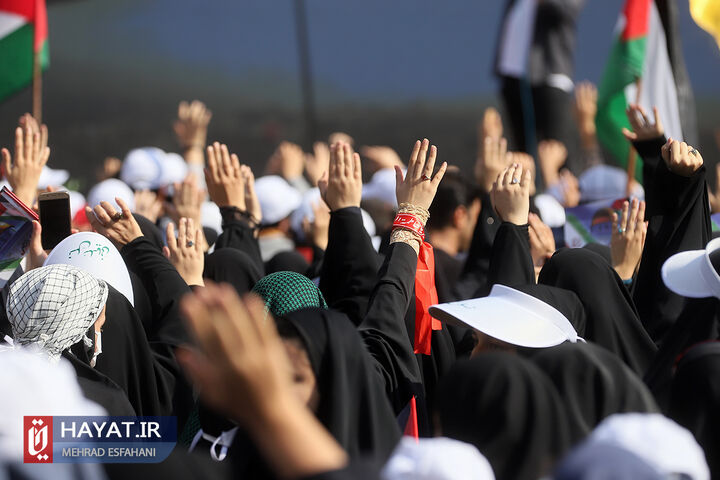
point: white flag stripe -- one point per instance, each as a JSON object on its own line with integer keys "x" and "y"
{"x": 9, "y": 22}
{"x": 658, "y": 83}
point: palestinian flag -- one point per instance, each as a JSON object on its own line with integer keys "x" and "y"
{"x": 641, "y": 70}
{"x": 23, "y": 34}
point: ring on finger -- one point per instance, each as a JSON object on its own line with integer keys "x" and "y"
{"x": 189, "y": 243}
{"x": 117, "y": 217}
{"x": 621, "y": 230}
{"x": 693, "y": 151}
{"x": 515, "y": 180}
{"x": 424, "y": 178}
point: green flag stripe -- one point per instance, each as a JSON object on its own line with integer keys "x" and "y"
{"x": 16, "y": 60}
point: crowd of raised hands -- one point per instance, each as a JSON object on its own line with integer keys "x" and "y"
{"x": 237, "y": 359}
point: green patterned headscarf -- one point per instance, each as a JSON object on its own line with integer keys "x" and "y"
{"x": 286, "y": 292}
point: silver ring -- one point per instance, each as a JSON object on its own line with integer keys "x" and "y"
{"x": 424, "y": 177}
{"x": 514, "y": 180}
{"x": 189, "y": 244}
{"x": 693, "y": 151}
{"x": 621, "y": 230}
{"x": 117, "y": 217}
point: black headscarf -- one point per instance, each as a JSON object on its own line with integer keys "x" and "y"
{"x": 290, "y": 261}
{"x": 612, "y": 320}
{"x": 695, "y": 399}
{"x": 232, "y": 266}
{"x": 353, "y": 405}
{"x": 593, "y": 383}
{"x": 146, "y": 377}
{"x": 564, "y": 301}
{"x": 508, "y": 409}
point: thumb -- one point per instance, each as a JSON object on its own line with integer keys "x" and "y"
{"x": 36, "y": 239}
{"x": 398, "y": 176}
{"x": 166, "y": 252}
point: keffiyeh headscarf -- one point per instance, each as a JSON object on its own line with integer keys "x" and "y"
{"x": 286, "y": 292}
{"x": 53, "y": 307}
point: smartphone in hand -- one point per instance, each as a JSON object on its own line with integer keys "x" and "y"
{"x": 54, "y": 218}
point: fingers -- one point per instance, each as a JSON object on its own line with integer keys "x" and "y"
{"x": 323, "y": 183}
{"x": 640, "y": 219}
{"x": 440, "y": 174}
{"x": 675, "y": 150}
{"x": 624, "y": 216}
{"x": 526, "y": 178}
{"x": 28, "y": 144}
{"x": 212, "y": 174}
{"x": 412, "y": 164}
{"x": 357, "y": 167}
{"x": 629, "y": 135}
{"x": 182, "y": 233}
{"x": 125, "y": 209}
{"x": 633, "y": 216}
{"x": 19, "y": 145}
{"x": 349, "y": 162}
{"x": 104, "y": 212}
{"x": 420, "y": 161}
{"x": 658, "y": 123}
{"x": 7, "y": 162}
{"x": 430, "y": 164}
{"x": 398, "y": 176}
{"x": 614, "y": 218}
{"x": 170, "y": 237}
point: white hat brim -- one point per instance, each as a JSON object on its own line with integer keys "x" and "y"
{"x": 510, "y": 316}
{"x": 683, "y": 273}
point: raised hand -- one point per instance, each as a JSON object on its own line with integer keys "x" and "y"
{"x": 223, "y": 177}
{"x": 192, "y": 124}
{"x": 187, "y": 201}
{"x": 628, "y": 238}
{"x": 252, "y": 203}
{"x": 681, "y": 159}
{"x": 288, "y": 161}
{"x": 380, "y": 156}
{"x": 317, "y": 163}
{"x": 542, "y": 240}
{"x": 241, "y": 366}
{"x": 419, "y": 186}
{"x": 511, "y": 194}
{"x": 491, "y": 126}
{"x": 552, "y": 155}
{"x": 493, "y": 159}
{"x": 36, "y": 255}
{"x": 31, "y": 155}
{"x": 186, "y": 251}
{"x": 341, "y": 185}
{"x": 585, "y": 109}
{"x": 119, "y": 227}
{"x": 570, "y": 189}
{"x": 317, "y": 230}
{"x": 148, "y": 205}
{"x": 642, "y": 127}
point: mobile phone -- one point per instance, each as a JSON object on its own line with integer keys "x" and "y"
{"x": 54, "y": 218}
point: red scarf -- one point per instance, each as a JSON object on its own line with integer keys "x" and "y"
{"x": 425, "y": 296}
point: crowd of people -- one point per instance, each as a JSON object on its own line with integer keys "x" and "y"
{"x": 427, "y": 323}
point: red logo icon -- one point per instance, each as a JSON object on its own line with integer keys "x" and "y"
{"x": 38, "y": 435}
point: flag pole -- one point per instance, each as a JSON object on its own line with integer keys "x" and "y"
{"x": 632, "y": 155}
{"x": 37, "y": 87}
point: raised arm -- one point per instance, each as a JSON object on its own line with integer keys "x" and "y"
{"x": 678, "y": 213}
{"x": 232, "y": 187}
{"x": 350, "y": 264}
{"x": 384, "y": 327}
{"x": 511, "y": 262}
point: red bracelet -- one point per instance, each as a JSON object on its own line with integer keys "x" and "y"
{"x": 409, "y": 222}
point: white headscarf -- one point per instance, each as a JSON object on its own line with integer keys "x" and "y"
{"x": 33, "y": 386}
{"x": 53, "y": 307}
{"x": 436, "y": 459}
{"x": 659, "y": 441}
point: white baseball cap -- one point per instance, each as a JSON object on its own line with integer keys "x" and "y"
{"x": 278, "y": 199}
{"x": 694, "y": 273}
{"x": 381, "y": 187}
{"x": 511, "y": 316}
{"x": 107, "y": 190}
{"x": 95, "y": 254}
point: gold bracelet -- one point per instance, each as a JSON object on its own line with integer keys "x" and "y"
{"x": 400, "y": 235}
